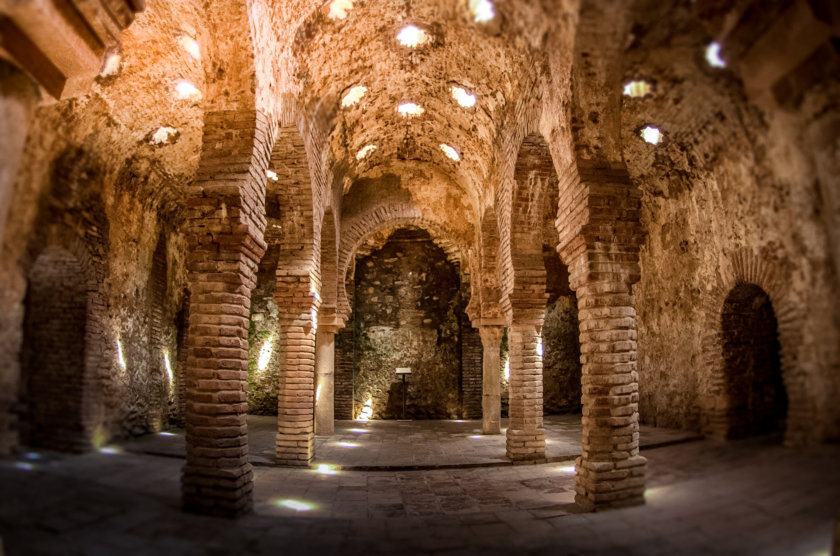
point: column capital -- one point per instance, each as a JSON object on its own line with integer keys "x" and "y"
{"x": 328, "y": 328}
{"x": 491, "y": 334}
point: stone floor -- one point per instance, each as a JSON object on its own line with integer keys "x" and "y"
{"x": 396, "y": 445}
{"x": 748, "y": 497}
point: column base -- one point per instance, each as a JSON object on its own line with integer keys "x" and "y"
{"x": 295, "y": 449}
{"x": 218, "y": 492}
{"x": 526, "y": 445}
{"x": 607, "y": 485}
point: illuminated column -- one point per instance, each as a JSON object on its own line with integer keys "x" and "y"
{"x": 296, "y": 392}
{"x": 225, "y": 224}
{"x": 491, "y": 399}
{"x": 610, "y": 471}
{"x": 217, "y": 478}
{"x": 325, "y": 380}
{"x": 525, "y": 434}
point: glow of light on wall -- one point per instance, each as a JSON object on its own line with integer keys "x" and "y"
{"x": 651, "y": 135}
{"x": 191, "y": 46}
{"x": 272, "y": 175}
{"x": 347, "y": 444}
{"x": 296, "y": 505}
{"x": 318, "y": 393}
{"x": 465, "y": 99}
{"x": 407, "y": 109}
{"x": 186, "y": 89}
{"x": 412, "y": 36}
{"x": 120, "y": 357}
{"x": 326, "y": 469}
{"x": 713, "y": 55}
{"x": 482, "y": 10}
{"x": 567, "y": 469}
{"x": 353, "y": 96}
{"x": 168, "y": 366}
{"x": 339, "y": 9}
{"x": 314, "y": 289}
{"x": 636, "y": 89}
{"x": 313, "y": 313}
{"x": 450, "y": 152}
{"x": 539, "y": 346}
{"x": 112, "y": 65}
{"x": 367, "y": 410}
{"x": 364, "y": 151}
{"x": 265, "y": 354}
{"x": 507, "y": 369}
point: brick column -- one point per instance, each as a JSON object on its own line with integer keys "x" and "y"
{"x": 217, "y": 478}
{"x": 491, "y": 398}
{"x": 325, "y": 383}
{"x": 610, "y": 471}
{"x": 525, "y": 434}
{"x": 296, "y": 393}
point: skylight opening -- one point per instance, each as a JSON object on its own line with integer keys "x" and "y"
{"x": 365, "y": 151}
{"x": 191, "y": 46}
{"x": 713, "y": 55}
{"x": 272, "y": 175}
{"x": 340, "y": 8}
{"x": 450, "y": 152}
{"x": 482, "y": 10}
{"x": 111, "y": 65}
{"x": 186, "y": 89}
{"x": 637, "y": 89}
{"x": 410, "y": 109}
{"x": 651, "y": 135}
{"x": 353, "y": 96}
{"x": 412, "y": 36}
{"x": 265, "y": 354}
{"x": 464, "y": 98}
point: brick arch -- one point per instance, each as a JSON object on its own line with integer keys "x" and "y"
{"x": 522, "y": 272}
{"x": 356, "y": 231}
{"x": 486, "y": 284}
{"x": 747, "y": 267}
{"x": 328, "y": 311}
{"x": 60, "y": 248}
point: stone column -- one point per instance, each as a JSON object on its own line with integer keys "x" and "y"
{"x": 491, "y": 397}
{"x": 525, "y": 434}
{"x": 296, "y": 392}
{"x": 610, "y": 471}
{"x": 325, "y": 380}
{"x": 217, "y": 478}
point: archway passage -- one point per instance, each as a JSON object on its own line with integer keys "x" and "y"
{"x": 53, "y": 354}
{"x": 757, "y": 398}
{"x": 407, "y": 309}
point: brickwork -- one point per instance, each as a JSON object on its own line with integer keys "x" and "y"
{"x": 471, "y": 369}
{"x": 297, "y": 292}
{"x": 344, "y": 361}
{"x": 599, "y": 237}
{"x": 225, "y": 246}
{"x": 52, "y": 389}
{"x": 747, "y": 267}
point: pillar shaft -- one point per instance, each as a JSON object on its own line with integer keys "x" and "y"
{"x": 325, "y": 381}
{"x": 491, "y": 397}
{"x": 610, "y": 471}
{"x": 296, "y": 392}
{"x": 525, "y": 434}
{"x": 217, "y": 478}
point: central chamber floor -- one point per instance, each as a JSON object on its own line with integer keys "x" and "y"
{"x": 746, "y": 497}
{"x": 403, "y": 445}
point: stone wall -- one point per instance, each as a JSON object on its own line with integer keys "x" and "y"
{"x": 407, "y": 314}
